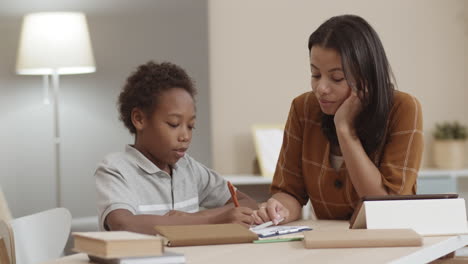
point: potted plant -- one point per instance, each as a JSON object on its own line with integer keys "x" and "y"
{"x": 449, "y": 145}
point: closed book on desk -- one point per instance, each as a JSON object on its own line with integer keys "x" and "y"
{"x": 195, "y": 235}
{"x": 356, "y": 238}
{"x": 166, "y": 258}
{"x": 116, "y": 244}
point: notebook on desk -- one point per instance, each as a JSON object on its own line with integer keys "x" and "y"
{"x": 362, "y": 238}
{"x": 166, "y": 258}
{"x": 196, "y": 235}
{"x": 280, "y": 230}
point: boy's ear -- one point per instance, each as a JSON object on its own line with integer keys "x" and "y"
{"x": 138, "y": 118}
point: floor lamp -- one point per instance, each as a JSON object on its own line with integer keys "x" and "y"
{"x": 53, "y": 44}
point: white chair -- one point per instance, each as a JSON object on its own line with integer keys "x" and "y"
{"x": 36, "y": 238}
{"x": 5, "y": 213}
{"x": 81, "y": 224}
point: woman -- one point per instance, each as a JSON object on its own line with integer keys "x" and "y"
{"x": 353, "y": 135}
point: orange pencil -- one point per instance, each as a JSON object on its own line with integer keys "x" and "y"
{"x": 233, "y": 194}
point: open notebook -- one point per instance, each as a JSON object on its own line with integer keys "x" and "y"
{"x": 280, "y": 230}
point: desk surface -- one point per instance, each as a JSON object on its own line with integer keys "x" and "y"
{"x": 294, "y": 252}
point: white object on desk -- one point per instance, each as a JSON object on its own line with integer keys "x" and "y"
{"x": 279, "y": 230}
{"x": 425, "y": 216}
{"x": 265, "y": 225}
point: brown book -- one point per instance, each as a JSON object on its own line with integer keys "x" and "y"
{"x": 166, "y": 258}
{"x": 117, "y": 244}
{"x": 356, "y": 238}
{"x": 195, "y": 235}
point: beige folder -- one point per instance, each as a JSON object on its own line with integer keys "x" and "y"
{"x": 355, "y": 238}
{"x": 194, "y": 235}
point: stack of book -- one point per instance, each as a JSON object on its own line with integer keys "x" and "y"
{"x": 122, "y": 247}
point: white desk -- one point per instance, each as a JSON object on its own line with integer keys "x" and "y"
{"x": 294, "y": 252}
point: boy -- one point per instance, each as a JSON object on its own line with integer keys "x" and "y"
{"x": 154, "y": 182}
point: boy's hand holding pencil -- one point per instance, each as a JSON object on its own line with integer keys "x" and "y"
{"x": 240, "y": 215}
{"x": 236, "y": 215}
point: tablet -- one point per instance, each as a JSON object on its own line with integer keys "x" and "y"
{"x": 410, "y": 197}
{"x": 398, "y": 197}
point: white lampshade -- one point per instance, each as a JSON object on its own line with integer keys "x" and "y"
{"x": 55, "y": 41}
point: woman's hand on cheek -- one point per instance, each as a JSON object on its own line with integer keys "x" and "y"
{"x": 347, "y": 112}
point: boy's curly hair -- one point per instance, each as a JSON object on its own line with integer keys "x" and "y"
{"x": 144, "y": 86}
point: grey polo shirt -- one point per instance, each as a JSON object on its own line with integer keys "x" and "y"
{"x": 128, "y": 180}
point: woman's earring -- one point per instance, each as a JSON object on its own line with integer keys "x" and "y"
{"x": 353, "y": 87}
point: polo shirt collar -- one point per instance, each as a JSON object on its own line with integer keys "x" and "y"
{"x": 143, "y": 162}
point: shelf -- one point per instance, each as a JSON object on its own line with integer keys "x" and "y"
{"x": 249, "y": 179}
{"x": 427, "y": 173}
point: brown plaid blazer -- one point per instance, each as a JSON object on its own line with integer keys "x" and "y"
{"x": 304, "y": 170}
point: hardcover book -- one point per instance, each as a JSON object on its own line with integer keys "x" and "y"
{"x": 362, "y": 238}
{"x": 116, "y": 244}
{"x": 166, "y": 258}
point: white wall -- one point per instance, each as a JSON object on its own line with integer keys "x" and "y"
{"x": 259, "y": 62}
{"x": 124, "y": 34}
{"x": 254, "y": 60}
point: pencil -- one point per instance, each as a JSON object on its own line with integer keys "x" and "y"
{"x": 233, "y": 194}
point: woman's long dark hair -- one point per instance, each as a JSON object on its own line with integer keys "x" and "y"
{"x": 364, "y": 61}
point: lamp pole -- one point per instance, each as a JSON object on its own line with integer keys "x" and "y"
{"x": 58, "y": 180}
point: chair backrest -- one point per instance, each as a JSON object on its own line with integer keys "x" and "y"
{"x": 4, "y": 257}
{"x": 5, "y": 213}
{"x": 7, "y": 241}
{"x": 37, "y": 238}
